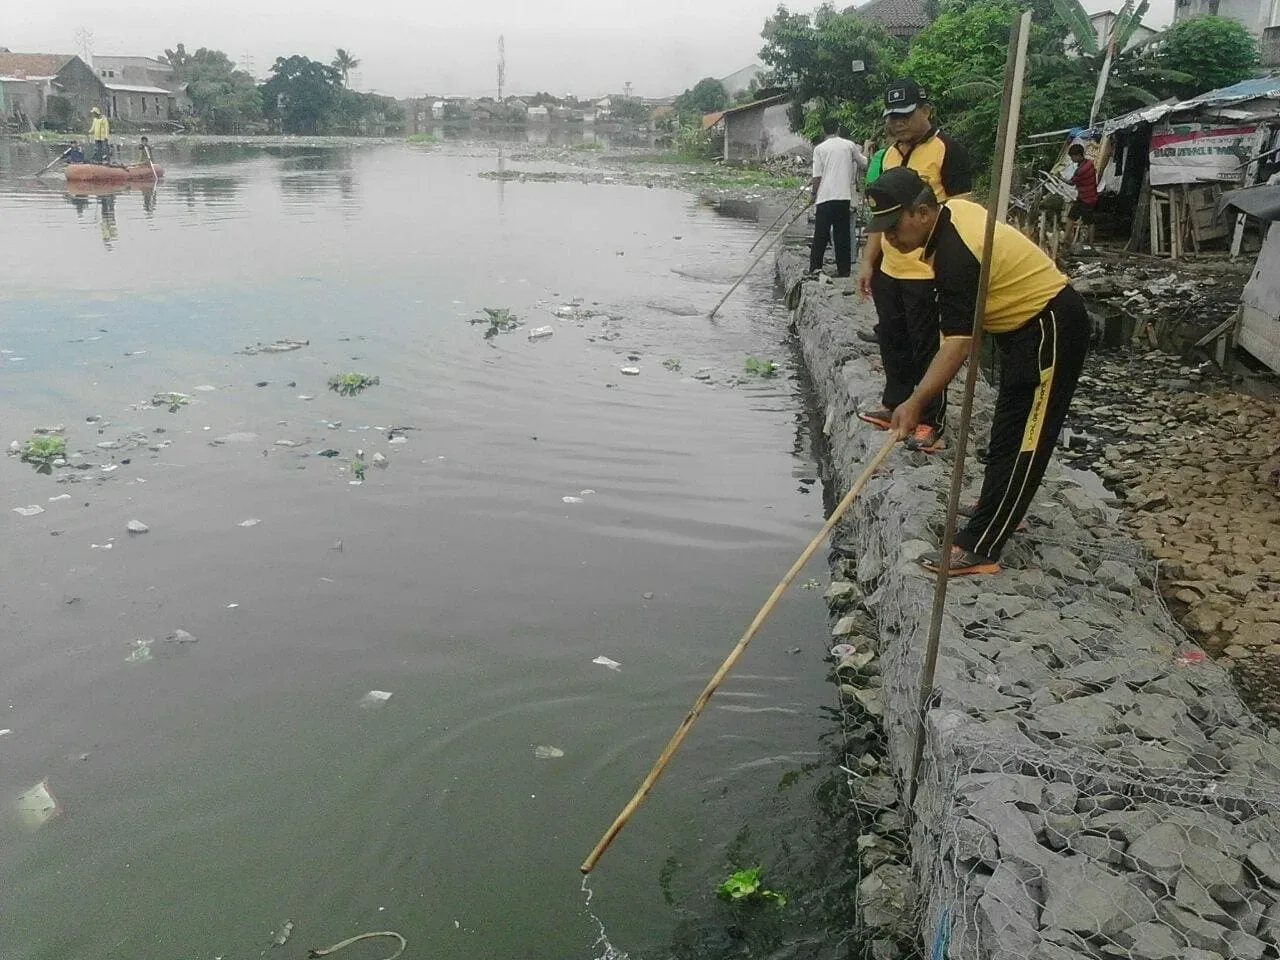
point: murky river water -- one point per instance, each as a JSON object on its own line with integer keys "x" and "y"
{"x": 211, "y": 790}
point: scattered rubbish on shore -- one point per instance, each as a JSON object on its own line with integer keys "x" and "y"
{"x": 539, "y": 333}
{"x": 110, "y": 467}
{"x": 586, "y": 493}
{"x": 349, "y": 384}
{"x": 648, "y": 596}
{"x": 141, "y": 652}
{"x": 548, "y": 753}
{"x": 282, "y": 936}
{"x": 330, "y": 452}
{"x": 180, "y": 636}
{"x": 5, "y": 732}
{"x": 38, "y": 806}
{"x": 61, "y": 496}
{"x": 499, "y": 319}
{"x": 343, "y": 944}
{"x": 630, "y": 371}
{"x": 102, "y": 546}
{"x": 375, "y": 698}
{"x": 137, "y": 526}
{"x": 278, "y": 346}
{"x": 305, "y": 396}
{"x": 29, "y": 511}
{"x": 251, "y": 522}
{"x": 842, "y": 650}
{"x": 174, "y": 401}
{"x": 572, "y": 499}
{"x": 205, "y": 388}
{"x": 289, "y": 443}
{"x": 606, "y": 662}
{"x": 397, "y": 434}
{"x": 761, "y": 368}
{"x": 232, "y": 606}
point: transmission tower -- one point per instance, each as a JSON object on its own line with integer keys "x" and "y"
{"x": 84, "y": 43}
{"x": 502, "y": 65}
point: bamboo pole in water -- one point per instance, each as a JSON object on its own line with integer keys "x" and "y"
{"x": 681, "y": 731}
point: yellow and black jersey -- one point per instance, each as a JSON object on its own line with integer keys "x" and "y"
{"x": 944, "y": 165}
{"x": 1023, "y": 278}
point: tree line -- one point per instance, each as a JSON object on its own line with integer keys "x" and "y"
{"x": 838, "y": 64}
{"x": 301, "y": 95}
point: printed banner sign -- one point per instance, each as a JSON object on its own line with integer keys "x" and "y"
{"x": 1191, "y": 154}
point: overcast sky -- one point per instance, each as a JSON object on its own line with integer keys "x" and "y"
{"x": 413, "y": 47}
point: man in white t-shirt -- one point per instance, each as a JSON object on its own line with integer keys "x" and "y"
{"x": 836, "y": 161}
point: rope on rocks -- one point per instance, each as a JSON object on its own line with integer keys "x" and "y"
{"x": 343, "y": 944}
{"x": 1006, "y": 140}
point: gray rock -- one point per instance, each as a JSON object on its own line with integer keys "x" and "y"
{"x": 1086, "y": 898}
{"x": 1200, "y": 933}
{"x": 1169, "y": 848}
{"x": 887, "y": 897}
{"x": 1061, "y": 829}
{"x": 870, "y": 701}
{"x": 137, "y": 526}
{"x": 1191, "y": 895}
{"x": 1060, "y": 797}
{"x": 1007, "y": 912}
{"x": 1063, "y": 564}
{"x": 1151, "y": 941}
{"x": 1262, "y": 857}
{"x": 1015, "y": 837}
{"x": 1000, "y": 788}
{"x": 877, "y": 793}
{"x": 1103, "y": 849}
{"x": 1117, "y": 576}
{"x": 1269, "y": 928}
{"x": 974, "y": 842}
{"x": 1084, "y": 719}
{"x": 1129, "y": 825}
{"x": 1193, "y": 953}
{"x": 841, "y": 592}
{"x": 1242, "y": 946}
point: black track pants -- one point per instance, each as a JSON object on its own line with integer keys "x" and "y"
{"x": 1040, "y": 366}
{"x": 907, "y": 311}
{"x": 831, "y": 223}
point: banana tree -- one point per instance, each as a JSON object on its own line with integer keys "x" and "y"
{"x": 1073, "y": 14}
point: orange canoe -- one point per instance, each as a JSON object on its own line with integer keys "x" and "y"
{"x": 102, "y": 173}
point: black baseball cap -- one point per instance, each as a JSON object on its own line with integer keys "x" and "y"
{"x": 903, "y": 96}
{"x": 893, "y": 192}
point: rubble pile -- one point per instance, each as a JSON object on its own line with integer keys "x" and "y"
{"x": 1168, "y": 307}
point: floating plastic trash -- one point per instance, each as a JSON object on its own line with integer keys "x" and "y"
{"x": 38, "y": 806}
{"x": 61, "y": 496}
{"x": 548, "y": 753}
{"x": 586, "y": 493}
{"x": 630, "y": 371}
{"x": 251, "y": 522}
{"x": 5, "y": 732}
{"x": 375, "y": 698}
{"x": 538, "y": 333}
{"x": 572, "y": 499}
{"x": 29, "y": 511}
{"x": 842, "y": 650}
{"x": 141, "y": 652}
{"x": 606, "y": 662}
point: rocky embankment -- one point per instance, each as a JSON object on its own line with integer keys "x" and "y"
{"x": 1092, "y": 786}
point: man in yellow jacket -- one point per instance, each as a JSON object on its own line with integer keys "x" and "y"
{"x": 100, "y": 133}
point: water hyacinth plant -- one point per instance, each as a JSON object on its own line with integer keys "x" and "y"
{"x": 349, "y": 384}
{"x": 747, "y": 885}
{"x": 761, "y": 368}
{"x": 499, "y": 319}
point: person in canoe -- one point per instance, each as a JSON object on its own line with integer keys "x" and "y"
{"x": 100, "y": 134}
{"x": 74, "y": 154}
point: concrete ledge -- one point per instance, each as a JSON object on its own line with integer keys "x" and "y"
{"x": 1093, "y": 786}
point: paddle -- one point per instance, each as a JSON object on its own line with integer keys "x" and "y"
{"x": 60, "y": 156}
{"x": 146, "y": 150}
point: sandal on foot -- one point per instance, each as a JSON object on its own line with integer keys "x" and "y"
{"x": 962, "y": 563}
{"x": 880, "y": 419}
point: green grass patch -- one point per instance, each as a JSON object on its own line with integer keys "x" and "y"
{"x": 589, "y": 145}
{"x": 761, "y": 368}
{"x": 349, "y": 384}
{"x": 44, "y": 449}
{"x": 420, "y": 138}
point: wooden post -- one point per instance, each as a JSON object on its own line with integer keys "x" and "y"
{"x": 1007, "y": 132}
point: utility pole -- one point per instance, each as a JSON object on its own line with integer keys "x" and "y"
{"x": 502, "y": 65}
{"x": 626, "y": 89}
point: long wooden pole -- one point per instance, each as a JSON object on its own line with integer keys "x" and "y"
{"x": 49, "y": 166}
{"x": 681, "y": 731}
{"x": 746, "y": 273}
{"x": 1006, "y": 136}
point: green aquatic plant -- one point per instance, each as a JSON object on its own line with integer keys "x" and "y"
{"x": 499, "y": 319}
{"x": 761, "y": 368}
{"x": 672, "y": 363}
{"x": 810, "y": 584}
{"x": 44, "y": 449}
{"x": 171, "y": 400}
{"x": 420, "y": 138}
{"x": 746, "y": 885}
{"x": 357, "y": 468}
{"x": 349, "y": 384}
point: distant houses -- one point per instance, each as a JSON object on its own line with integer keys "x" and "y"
{"x": 58, "y": 90}
{"x": 757, "y": 131}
